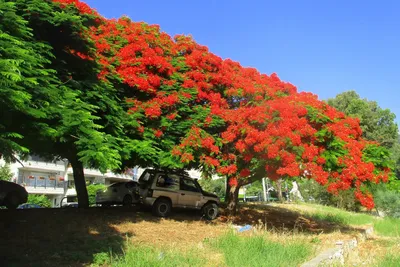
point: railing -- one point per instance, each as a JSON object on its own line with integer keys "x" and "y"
{"x": 42, "y": 182}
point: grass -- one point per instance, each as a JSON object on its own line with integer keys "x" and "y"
{"x": 383, "y": 226}
{"x": 390, "y": 260}
{"x": 335, "y": 215}
{"x": 143, "y": 256}
{"x": 230, "y": 249}
{"x": 258, "y": 251}
{"x": 387, "y": 227}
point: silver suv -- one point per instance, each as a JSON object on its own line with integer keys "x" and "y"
{"x": 166, "y": 190}
{"x": 124, "y": 193}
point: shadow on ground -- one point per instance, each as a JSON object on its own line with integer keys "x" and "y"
{"x": 282, "y": 219}
{"x": 60, "y": 237}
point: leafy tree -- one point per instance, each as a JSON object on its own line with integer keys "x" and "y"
{"x": 377, "y": 124}
{"x": 92, "y": 189}
{"x": 216, "y": 186}
{"x": 26, "y": 86}
{"x": 5, "y": 173}
{"x": 254, "y": 188}
{"x": 76, "y": 116}
{"x": 190, "y": 108}
{"x": 40, "y": 200}
{"x": 187, "y": 108}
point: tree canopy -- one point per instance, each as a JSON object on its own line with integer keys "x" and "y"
{"x": 377, "y": 124}
{"x": 131, "y": 94}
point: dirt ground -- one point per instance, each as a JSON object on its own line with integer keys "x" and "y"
{"x": 70, "y": 237}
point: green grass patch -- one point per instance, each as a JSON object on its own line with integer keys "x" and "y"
{"x": 144, "y": 256}
{"x": 383, "y": 226}
{"x": 390, "y": 260}
{"x": 259, "y": 251}
{"x": 236, "y": 250}
{"x": 387, "y": 227}
{"x": 340, "y": 216}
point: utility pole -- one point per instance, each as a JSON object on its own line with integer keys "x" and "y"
{"x": 264, "y": 189}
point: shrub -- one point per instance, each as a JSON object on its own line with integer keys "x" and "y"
{"x": 389, "y": 202}
{"x": 5, "y": 173}
{"x": 92, "y": 189}
{"x": 40, "y": 200}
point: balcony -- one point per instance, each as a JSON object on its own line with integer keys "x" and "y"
{"x": 49, "y": 185}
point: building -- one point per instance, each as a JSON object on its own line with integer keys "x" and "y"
{"x": 55, "y": 178}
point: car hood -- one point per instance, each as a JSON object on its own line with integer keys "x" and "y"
{"x": 208, "y": 194}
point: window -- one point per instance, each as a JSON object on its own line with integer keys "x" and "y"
{"x": 130, "y": 185}
{"x": 189, "y": 185}
{"x": 146, "y": 176}
{"x": 168, "y": 181}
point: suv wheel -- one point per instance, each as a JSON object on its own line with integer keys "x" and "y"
{"x": 12, "y": 201}
{"x": 210, "y": 211}
{"x": 127, "y": 201}
{"x": 162, "y": 208}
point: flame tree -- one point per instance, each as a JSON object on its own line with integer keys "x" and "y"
{"x": 189, "y": 108}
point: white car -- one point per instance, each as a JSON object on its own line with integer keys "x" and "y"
{"x": 125, "y": 193}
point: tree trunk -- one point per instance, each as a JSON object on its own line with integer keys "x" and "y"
{"x": 233, "y": 199}
{"x": 279, "y": 189}
{"x": 227, "y": 189}
{"x": 80, "y": 183}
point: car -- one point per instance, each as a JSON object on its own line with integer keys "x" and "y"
{"x": 125, "y": 193}
{"x": 69, "y": 201}
{"x": 12, "y": 195}
{"x": 165, "y": 190}
{"x": 29, "y": 206}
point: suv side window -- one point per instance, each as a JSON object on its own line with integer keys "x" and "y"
{"x": 168, "y": 181}
{"x": 189, "y": 185}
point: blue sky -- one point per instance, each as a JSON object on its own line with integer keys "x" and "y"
{"x": 322, "y": 46}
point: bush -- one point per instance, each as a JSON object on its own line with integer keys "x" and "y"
{"x": 40, "y": 200}
{"x": 92, "y": 189}
{"x": 314, "y": 192}
{"x": 5, "y": 173}
{"x": 389, "y": 202}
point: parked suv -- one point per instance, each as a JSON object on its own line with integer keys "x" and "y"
{"x": 166, "y": 190}
{"x": 125, "y": 193}
{"x": 12, "y": 195}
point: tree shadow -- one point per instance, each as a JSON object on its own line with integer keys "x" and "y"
{"x": 69, "y": 236}
{"x": 282, "y": 220}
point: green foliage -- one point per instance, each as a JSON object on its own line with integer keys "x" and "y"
{"x": 254, "y": 188}
{"x": 26, "y": 85}
{"x": 216, "y": 186}
{"x": 5, "y": 173}
{"x": 316, "y": 193}
{"x": 40, "y": 200}
{"x": 377, "y": 124}
{"x": 92, "y": 189}
{"x": 388, "y": 201}
{"x": 258, "y": 251}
